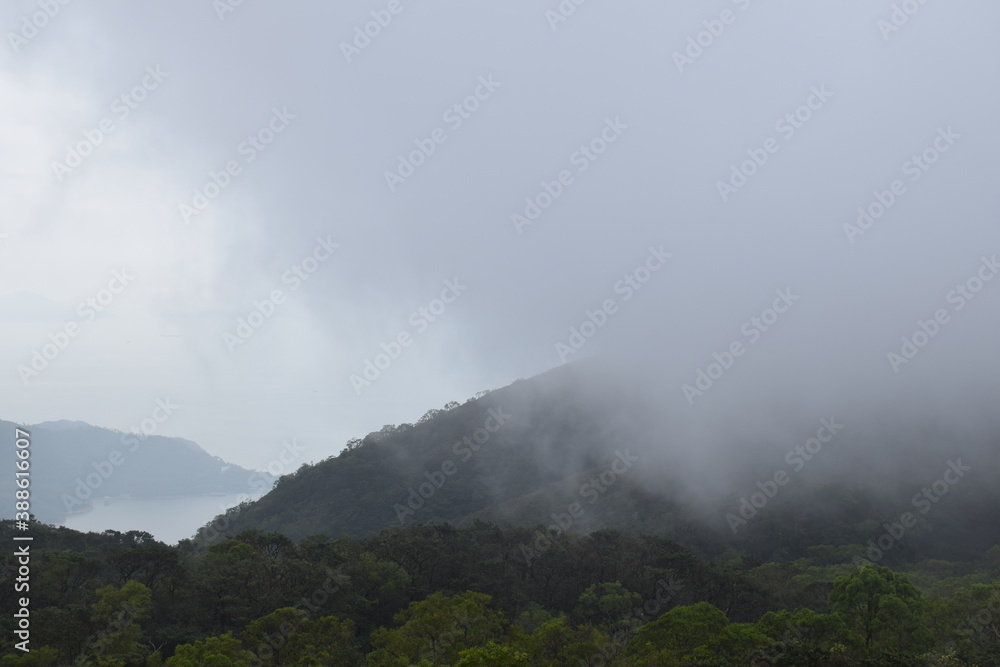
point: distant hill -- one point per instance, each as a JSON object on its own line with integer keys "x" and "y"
{"x": 73, "y": 464}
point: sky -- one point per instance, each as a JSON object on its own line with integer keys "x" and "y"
{"x": 306, "y": 220}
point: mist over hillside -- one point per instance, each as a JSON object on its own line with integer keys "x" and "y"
{"x": 585, "y": 435}
{"x": 534, "y": 334}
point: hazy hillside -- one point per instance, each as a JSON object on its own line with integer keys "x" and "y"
{"x": 579, "y": 454}
{"x": 530, "y": 433}
{"x": 73, "y": 464}
{"x": 561, "y": 520}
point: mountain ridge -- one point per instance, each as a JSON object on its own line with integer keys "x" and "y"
{"x": 564, "y": 429}
{"x": 74, "y": 463}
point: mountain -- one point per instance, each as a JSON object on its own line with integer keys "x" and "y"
{"x": 464, "y": 458}
{"x": 73, "y": 464}
{"x": 576, "y": 451}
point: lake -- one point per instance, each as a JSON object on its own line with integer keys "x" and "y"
{"x": 167, "y": 519}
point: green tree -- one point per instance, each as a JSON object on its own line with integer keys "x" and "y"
{"x": 437, "y": 629}
{"x": 117, "y": 637}
{"x": 737, "y": 643}
{"x": 492, "y": 655}
{"x": 876, "y": 602}
{"x": 36, "y": 657}
{"x": 378, "y": 589}
{"x": 683, "y": 633}
{"x": 222, "y": 651}
{"x": 268, "y": 637}
{"x": 609, "y": 606}
{"x": 556, "y": 642}
{"x": 802, "y": 636}
{"x": 288, "y": 637}
{"x": 973, "y": 616}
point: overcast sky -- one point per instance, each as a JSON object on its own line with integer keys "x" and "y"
{"x": 630, "y": 125}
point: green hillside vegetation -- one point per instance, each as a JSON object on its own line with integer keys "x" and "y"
{"x": 441, "y": 595}
{"x": 536, "y": 432}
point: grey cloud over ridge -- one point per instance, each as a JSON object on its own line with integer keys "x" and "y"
{"x": 655, "y": 185}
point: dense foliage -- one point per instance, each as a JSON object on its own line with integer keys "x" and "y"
{"x": 484, "y": 595}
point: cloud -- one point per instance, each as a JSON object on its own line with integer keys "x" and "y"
{"x": 417, "y": 77}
